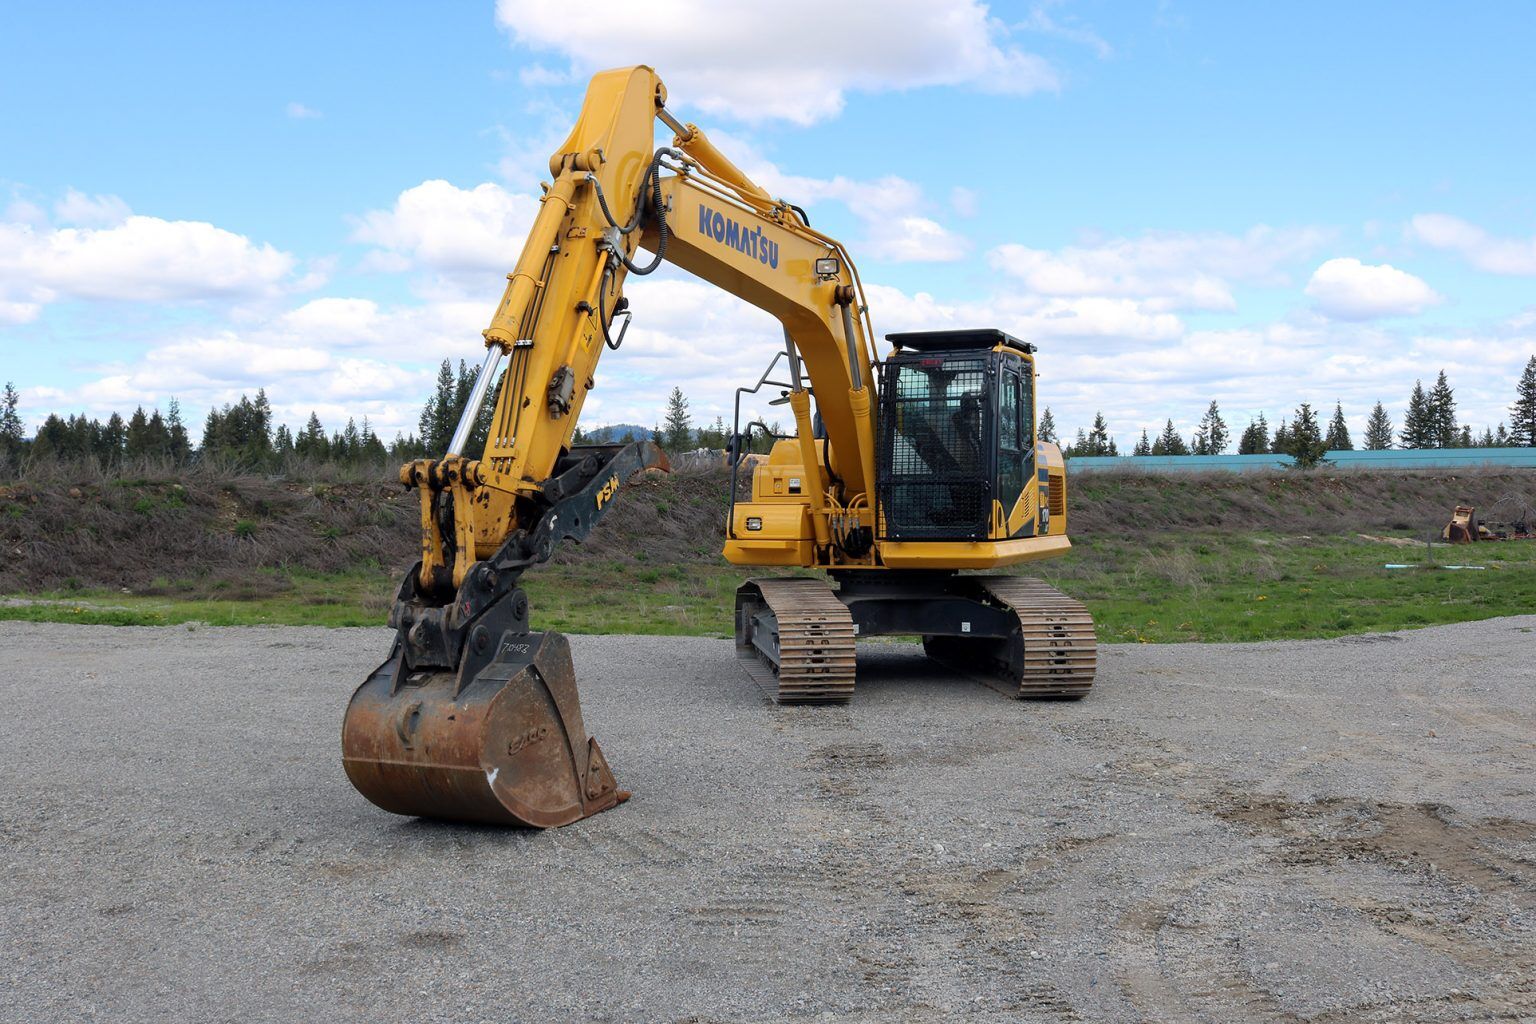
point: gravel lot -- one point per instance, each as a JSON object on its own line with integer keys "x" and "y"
{"x": 1334, "y": 830}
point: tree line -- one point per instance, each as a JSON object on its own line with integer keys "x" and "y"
{"x": 1429, "y": 421}
{"x": 244, "y": 431}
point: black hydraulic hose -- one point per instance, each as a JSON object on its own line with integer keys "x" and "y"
{"x": 602, "y": 312}
{"x": 602, "y": 202}
{"x": 661, "y": 223}
{"x": 804, "y": 218}
{"x": 651, "y": 179}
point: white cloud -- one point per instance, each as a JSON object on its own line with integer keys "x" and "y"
{"x": 892, "y": 209}
{"x": 338, "y": 356}
{"x": 1164, "y": 270}
{"x": 795, "y": 60}
{"x": 19, "y": 312}
{"x": 1346, "y": 289}
{"x": 346, "y": 356}
{"x": 964, "y": 201}
{"x": 1040, "y": 20}
{"x": 1514, "y": 256}
{"x": 91, "y": 211}
{"x": 1108, "y": 322}
{"x": 300, "y": 112}
{"x": 135, "y": 259}
{"x": 20, "y": 211}
{"x": 439, "y": 227}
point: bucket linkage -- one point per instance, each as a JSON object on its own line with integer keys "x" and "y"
{"x": 473, "y": 716}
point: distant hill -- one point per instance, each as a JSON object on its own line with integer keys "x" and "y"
{"x": 616, "y": 432}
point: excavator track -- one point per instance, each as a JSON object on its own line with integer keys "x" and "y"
{"x": 796, "y": 640}
{"x": 1060, "y": 650}
{"x": 1053, "y": 656}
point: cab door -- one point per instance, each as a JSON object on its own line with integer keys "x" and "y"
{"x": 1016, "y": 444}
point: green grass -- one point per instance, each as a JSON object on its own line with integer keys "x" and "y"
{"x": 286, "y": 599}
{"x": 1207, "y": 586}
{"x": 1225, "y": 587}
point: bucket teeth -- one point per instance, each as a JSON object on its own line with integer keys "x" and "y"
{"x": 508, "y": 748}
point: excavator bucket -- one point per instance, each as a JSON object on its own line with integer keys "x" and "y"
{"x": 506, "y": 746}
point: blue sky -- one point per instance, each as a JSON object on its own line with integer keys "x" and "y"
{"x": 1178, "y": 201}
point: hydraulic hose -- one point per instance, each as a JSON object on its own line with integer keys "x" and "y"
{"x": 650, "y": 180}
{"x": 661, "y": 231}
{"x": 602, "y": 312}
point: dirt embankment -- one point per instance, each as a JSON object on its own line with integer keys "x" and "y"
{"x": 201, "y": 529}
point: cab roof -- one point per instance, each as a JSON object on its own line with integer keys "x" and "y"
{"x": 931, "y": 341}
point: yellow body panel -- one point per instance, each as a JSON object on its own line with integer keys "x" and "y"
{"x": 782, "y": 534}
{"x": 948, "y": 554}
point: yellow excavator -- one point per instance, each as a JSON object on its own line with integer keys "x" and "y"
{"x": 901, "y": 473}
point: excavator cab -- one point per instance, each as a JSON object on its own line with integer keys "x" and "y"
{"x": 959, "y": 437}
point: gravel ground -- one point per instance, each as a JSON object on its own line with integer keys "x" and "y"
{"x": 1334, "y": 830}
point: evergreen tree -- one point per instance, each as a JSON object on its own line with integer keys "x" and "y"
{"x": 179, "y": 444}
{"x": 1307, "y": 446}
{"x": 679, "y": 429}
{"x": 463, "y": 384}
{"x": 407, "y": 446}
{"x": 1212, "y": 436}
{"x": 1441, "y": 407}
{"x": 112, "y": 439}
{"x": 1501, "y": 437}
{"x": 1046, "y": 431}
{"x": 157, "y": 437}
{"x": 1378, "y": 430}
{"x": 1169, "y": 442}
{"x": 1144, "y": 446}
{"x": 1255, "y": 439}
{"x": 713, "y": 436}
{"x": 258, "y": 443}
{"x": 371, "y": 449}
{"x": 311, "y": 443}
{"x": 1281, "y": 444}
{"x": 434, "y": 426}
{"x": 1099, "y": 442}
{"x": 349, "y": 446}
{"x": 1338, "y": 439}
{"x": 136, "y": 443}
{"x": 1079, "y": 445}
{"x": 52, "y": 438}
{"x": 213, "y": 433}
{"x": 1522, "y": 415}
{"x": 282, "y": 441}
{"x": 13, "y": 434}
{"x": 1417, "y": 429}
{"x": 1486, "y": 441}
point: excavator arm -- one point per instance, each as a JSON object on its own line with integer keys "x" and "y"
{"x": 473, "y": 715}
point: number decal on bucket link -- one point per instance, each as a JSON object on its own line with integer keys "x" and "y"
{"x": 608, "y": 490}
